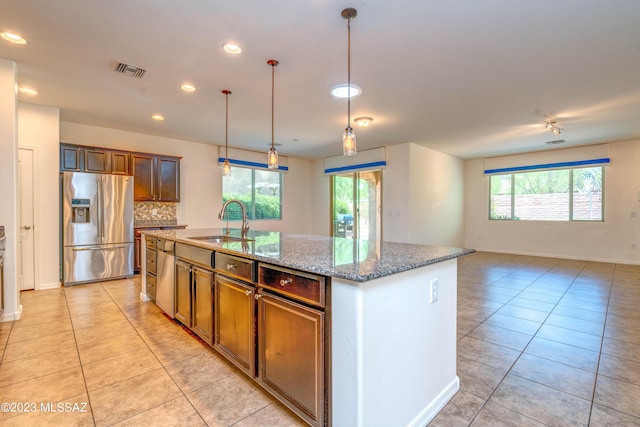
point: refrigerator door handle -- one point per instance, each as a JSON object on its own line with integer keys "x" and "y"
{"x": 99, "y": 207}
{"x": 99, "y": 248}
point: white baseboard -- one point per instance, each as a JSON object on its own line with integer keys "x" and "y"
{"x": 10, "y": 317}
{"x": 45, "y": 286}
{"x": 436, "y": 405}
{"x": 575, "y": 258}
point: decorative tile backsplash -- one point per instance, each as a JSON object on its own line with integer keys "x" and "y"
{"x": 155, "y": 211}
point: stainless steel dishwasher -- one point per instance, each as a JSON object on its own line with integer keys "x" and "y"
{"x": 165, "y": 294}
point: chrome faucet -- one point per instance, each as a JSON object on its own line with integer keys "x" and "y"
{"x": 245, "y": 219}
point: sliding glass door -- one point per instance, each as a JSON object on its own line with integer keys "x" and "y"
{"x": 356, "y": 205}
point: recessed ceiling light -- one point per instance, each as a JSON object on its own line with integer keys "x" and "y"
{"x": 157, "y": 117}
{"x": 13, "y": 38}
{"x": 342, "y": 91}
{"x": 188, "y": 88}
{"x": 232, "y": 48}
{"x": 363, "y": 122}
{"x": 27, "y": 91}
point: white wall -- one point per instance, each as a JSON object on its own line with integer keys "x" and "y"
{"x": 319, "y": 215}
{"x": 38, "y": 129}
{"x": 423, "y": 196}
{"x": 8, "y": 179}
{"x": 600, "y": 241}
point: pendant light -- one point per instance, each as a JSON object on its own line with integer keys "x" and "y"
{"x": 272, "y": 155}
{"x": 349, "y": 136}
{"x": 226, "y": 167}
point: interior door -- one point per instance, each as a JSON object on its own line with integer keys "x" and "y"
{"x": 356, "y": 199}
{"x": 26, "y": 241}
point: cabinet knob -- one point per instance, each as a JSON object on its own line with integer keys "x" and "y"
{"x": 284, "y": 282}
{"x": 247, "y": 292}
{"x": 258, "y": 296}
{"x": 231, "y": 266}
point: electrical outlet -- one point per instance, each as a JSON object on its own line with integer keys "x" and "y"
{"x": 154, "y": 211}
{"x": 434, "y": 290}
{"x": 633, "y": 214}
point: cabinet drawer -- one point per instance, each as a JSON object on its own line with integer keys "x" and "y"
{"x": 301, "y": 286}
{"x": 235, "y": 267}
{"x": 151, "y": 286}
{"x": 198, "y": 256}
{"x": 150, "y": 242}
{"x": 151, "y": 261}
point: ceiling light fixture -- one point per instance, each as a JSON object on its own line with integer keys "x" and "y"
{"x": 232, "y": 48}
{"x": 272, "y": 155}
{"x": 342, "y": 91}
{"x": 13, "y": 38}
{"x": 27, "y": 91}
{"x": 188, "y": 87}
{"x": 226, "y": 167}
{"x": 363, "y": 122}
{"x": 349, "y": 137}
{"x": 157, "y": 117}
{"x": 552, "y": 127}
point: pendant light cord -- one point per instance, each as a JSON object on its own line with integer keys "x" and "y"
{"x": 226, "y": 129}
{"x": 273, "y": 78}
{"x": 349, "y": 73}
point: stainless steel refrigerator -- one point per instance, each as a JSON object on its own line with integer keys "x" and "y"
{"x": 97, "y": 227}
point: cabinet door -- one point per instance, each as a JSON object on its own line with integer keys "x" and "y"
{"x": 235, "y": 322}
{"x": 71, "y": 158}
{"x": 168, "y": 179}
{"x": 119, "y": 163}
{"x": 202, "y": 303}
{"x": 143, "y": 174}
{"x": 291, "y": 355}
{"x": 183, "y": 292}
{"x": 96, "y": 160}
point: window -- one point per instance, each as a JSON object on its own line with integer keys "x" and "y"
{"x": 549, "y": 195}
{"x": 259, "y": 190}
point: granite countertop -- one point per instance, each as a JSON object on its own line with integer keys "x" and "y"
{"x": 356, "y": 260}
{"x": 1, "y": 231}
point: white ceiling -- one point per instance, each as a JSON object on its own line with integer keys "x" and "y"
{"x": 468, "y": 78}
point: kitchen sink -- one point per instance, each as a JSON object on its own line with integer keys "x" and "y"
{"x": 220, "y": 239}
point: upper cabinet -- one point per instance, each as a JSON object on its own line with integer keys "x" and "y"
{"x": 156, "y": 178}
{"x": 78, "y": 158}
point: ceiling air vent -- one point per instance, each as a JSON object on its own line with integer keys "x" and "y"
{"x": 129, "y": 70}
{"x": 556, "y": 142}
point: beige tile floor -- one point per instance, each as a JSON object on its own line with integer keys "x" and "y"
{"x": 541, "y": 342}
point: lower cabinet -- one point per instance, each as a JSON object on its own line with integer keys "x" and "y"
{"x": 194, "y": 298}
{"x": 291, "y": 355}
{"x": 235, "y": 322}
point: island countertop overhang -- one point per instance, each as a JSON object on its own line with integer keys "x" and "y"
{"x": 350, "y": 259}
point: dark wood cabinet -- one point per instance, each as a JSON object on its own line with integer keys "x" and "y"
{"x": 71, "y": 158}
{"x": 119, "y": 163}
{"x": 168, "y": 179}
{"x": 234, "y": 322}
{"x": 96, "y": 160}
{"x": 143, "y": 177}
{"x": 79, "y": 158}
{"x": 194, "y": 298}
{"x": 292, "y": 361}
{"x": 157, "y": 178}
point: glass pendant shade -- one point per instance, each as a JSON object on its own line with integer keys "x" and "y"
{"x": 226, "y": 168}
{"x": 272, "y": 158}
{"x": 349, "y": 142}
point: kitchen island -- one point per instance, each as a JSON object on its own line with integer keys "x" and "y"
{"x": 388, "y": 321}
